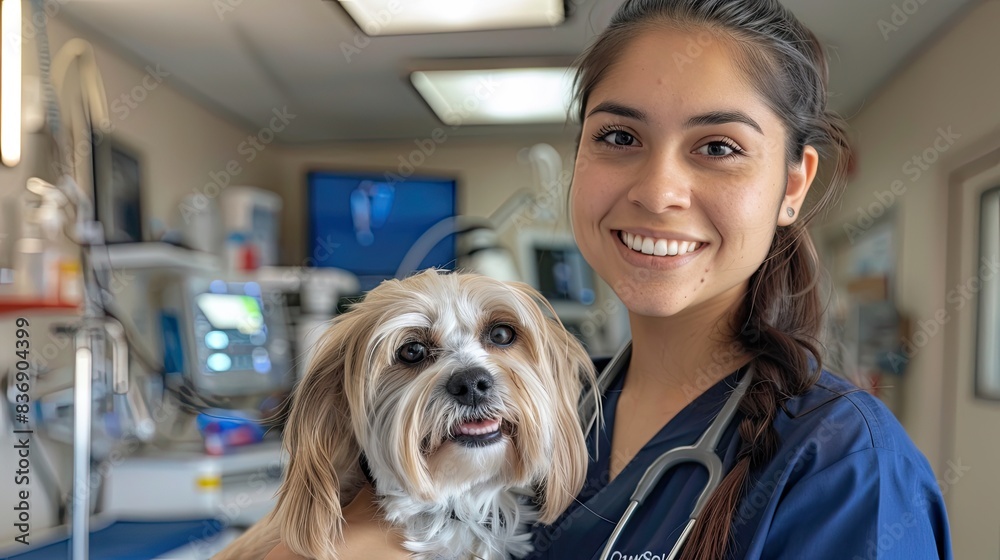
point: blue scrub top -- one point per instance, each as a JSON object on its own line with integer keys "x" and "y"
{"x": 846, "y": 483}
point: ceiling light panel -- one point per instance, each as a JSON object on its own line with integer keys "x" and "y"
{"x": 401, "y": 17}
{"x": 497, "y": 96}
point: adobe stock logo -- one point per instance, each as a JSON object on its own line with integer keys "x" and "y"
{"x": 901, "y": 14}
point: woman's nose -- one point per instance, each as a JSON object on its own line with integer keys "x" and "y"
{"x": 662, "y": 183}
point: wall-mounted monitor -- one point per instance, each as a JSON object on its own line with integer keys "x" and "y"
{"x": 365, "y": 224}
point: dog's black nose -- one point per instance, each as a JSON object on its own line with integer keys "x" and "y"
{"x": 470, "y": 387}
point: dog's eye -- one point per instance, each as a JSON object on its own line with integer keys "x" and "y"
{"x": 502, "y": 335}
{"x": 412, "y": 352}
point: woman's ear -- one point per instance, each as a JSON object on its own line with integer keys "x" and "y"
{"x": 323, "y": 450}
{"x": 800, "y": 178}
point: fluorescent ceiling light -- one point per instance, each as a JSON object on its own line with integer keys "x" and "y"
{"x": 10, "y": 82}
{"x": 400, "y": 17}
{"x": 497, "y": 96}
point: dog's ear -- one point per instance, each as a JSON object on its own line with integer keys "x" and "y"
{"x": 324, "y": 453}
{"x": 572, "y": 372}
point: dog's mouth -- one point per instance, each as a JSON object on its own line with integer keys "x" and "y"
{"x": 478, "y": 432}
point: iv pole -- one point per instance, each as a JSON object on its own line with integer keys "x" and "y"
{"x": 89, "y": 341}
{"x": 94, "y": 326}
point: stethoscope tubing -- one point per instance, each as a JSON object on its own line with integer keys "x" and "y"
{"x": 703, "y": 452}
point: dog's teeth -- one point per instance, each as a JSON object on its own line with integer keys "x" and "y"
{"x": 479, "y": 428}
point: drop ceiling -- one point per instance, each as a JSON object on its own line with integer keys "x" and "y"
{"x": 244, "y": 58}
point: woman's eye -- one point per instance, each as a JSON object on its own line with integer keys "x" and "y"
{"x": 502, "y": 335}
{"x": 620, "y": 138}
{"x": 616, "y": 138}
{"x": 718, "y": 148}
{"x": 412, "y": 352}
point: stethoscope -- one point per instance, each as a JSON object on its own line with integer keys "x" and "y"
{"x": 703, "y": 452}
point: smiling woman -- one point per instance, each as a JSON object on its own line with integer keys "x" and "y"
{"x": 649, "y": 150}
{"x": 704, "y": 123}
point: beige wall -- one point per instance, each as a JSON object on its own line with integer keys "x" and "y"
{"x": 953, "y": 85}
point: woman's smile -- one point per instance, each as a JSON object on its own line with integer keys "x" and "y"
{"x": 661, "y": 252}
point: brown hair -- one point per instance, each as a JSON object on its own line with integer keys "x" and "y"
{"x": 780, "y": 319}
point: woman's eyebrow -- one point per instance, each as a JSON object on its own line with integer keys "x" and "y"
{"x": 705, "y": 119}
{"x": 620, "y": 110}
{"x": 722, "y": 117}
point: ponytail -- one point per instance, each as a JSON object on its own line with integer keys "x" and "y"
{"x": 780, "y": 319}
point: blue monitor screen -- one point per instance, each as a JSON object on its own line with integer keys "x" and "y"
{"x": 365, "y": 224}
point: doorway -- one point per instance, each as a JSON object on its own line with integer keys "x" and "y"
{"x": 971, "y": 446}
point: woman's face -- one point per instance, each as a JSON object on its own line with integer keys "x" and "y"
{"x": 682, "y": 161}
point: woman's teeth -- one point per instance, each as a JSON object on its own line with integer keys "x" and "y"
{"x": 657, "y": 247}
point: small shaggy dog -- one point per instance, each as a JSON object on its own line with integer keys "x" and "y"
{"x": 455, "y": 397}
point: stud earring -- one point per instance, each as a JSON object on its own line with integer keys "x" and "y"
{"x": 790, "y": 212}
